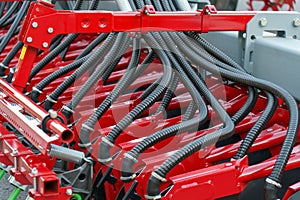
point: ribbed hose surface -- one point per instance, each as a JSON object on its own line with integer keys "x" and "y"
{"x": 122, "y": 40}
{"x": 9, "y": 12}
{"x": 258, "y": 127}
{"x": 120, "y": 87}
{"x": 102, "y": 50}
{"x": 103, "y": 151}
{"x": 38, "y": 89}
{"x": 275, "y": 90}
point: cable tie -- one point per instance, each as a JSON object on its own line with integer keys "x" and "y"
{"x": 162, "y": 179}
{"x": 278, "y": 185}
{"x": 35, "y": 89}
{"x": 68, "y": 109}
{"x": 107, "y": 142}
{"x": 87, "y": 127}
{"x": 126, "y": 155}
{"x": 50, "y": 99}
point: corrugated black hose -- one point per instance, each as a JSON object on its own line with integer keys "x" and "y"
{"x": 258, "y": 127}
{"x": 131, "y": 157}
{"x": 273, "y": 181}
{"x": 4, "y": 64}
{"x": 108, "y": 141}
{"x": 225, "y": 132}
{"x": 102, "y": 50}
{"x": 9, "y": 12}
{"x": 38, "y": 89}
{"x": 51, "y": 55}
{"x": 116, "y": 51}
{"x": 120, "y": 87}
{"x": 22, "y": 12}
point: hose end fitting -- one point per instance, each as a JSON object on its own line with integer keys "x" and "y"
{"x": 104, "y": 151}
{"x": 126, "y": 168}
{"x": 84, "y": 136}
{"x": 271, "y": 187}
{"x": 153, "y": 187}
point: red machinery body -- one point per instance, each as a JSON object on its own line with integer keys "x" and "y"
{"x": 209, "y": 172}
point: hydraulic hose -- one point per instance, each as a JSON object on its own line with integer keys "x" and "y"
{"x": 131, "y": 157}
{"x": 38, "y": 89}
{"x": 9, "y": 12}
{"x": 14, "y": 25}
{"x": 273, "y": 180}
{"x": 92, "y": 45}
{"x": 121, "y": 86}
{"x": 67, "y": 42}
{"x": 258, "y": 127}
{"x": 108, "y": 141}
{"x": 103, "y": 49}
{"x": 2, "y": 7}
{"x": 122, "y": 41}
{"x": 9, "y": 57}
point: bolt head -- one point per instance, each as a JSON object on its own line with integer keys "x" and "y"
{"x": 15, "y": 151}
{"x": 52, "y": 113}
{"x": 34, "y": 24}
{"x": 45, "y": 44}
{"x": 69, "y": 192}
{"x": 50, "y": 30}
{"x": 296, "y": 22}
{"x": 29, "y": 39}
{"x": 263, "y": 22}
{"x": 34, "y": 171}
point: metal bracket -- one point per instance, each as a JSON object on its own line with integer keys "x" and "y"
{"x": 282, "y": 24}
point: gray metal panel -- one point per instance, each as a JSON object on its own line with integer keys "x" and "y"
{"x": 278, "y": 60}
{"x": 228, "y": 42}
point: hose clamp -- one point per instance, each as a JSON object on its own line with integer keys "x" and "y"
{"x": 106, "y": 160}
{"x": 127, "y": 155}
{"x": 152, "y": 197}
{"x": 35, "y": 89}
{"x": 129, "y": 178}
{"x": 278, "y": 185}
{"x": 87, "y": 127}
{"x": 160, "y": 178}
{"x": 4, "y": 66}
{"x": 68, "y": 109}
{"x": 84, "y": 145}
{"x": 107, "y": 142}
{"x": 50, "y": 99}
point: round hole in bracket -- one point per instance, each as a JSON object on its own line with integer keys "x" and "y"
{"x": 294, "y": 36}
{"x": 82, "y": 177}
{"x": 102, "y": 22}
{"x": 85, "y": 22}
{"x": 253, "y": 37}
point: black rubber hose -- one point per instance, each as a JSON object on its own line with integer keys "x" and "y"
{"x": 120, "y": 87}
{"x": 9, "y": 57}
{"x": 107, "y": 142}
{"x": 38, "y": 89}
{"x": 132, "y": 156}
{"x": 67, "y": 42}
{"x": 252, "y": 92}
{"x": 92, "y": 45}
{"x": 168, "y": 95}
{"x": 9, "y": 21}
{"x": 56, "y": 41}
{"x": 14, "y": 25}
{"x": 9, "y": 12}
{"x": 292, "y": 132}
{"x": 122, "y": 43}
{"x": 104, "y": 48}
{"x": 2, "y": 7}
{"x": 258, "y": 127}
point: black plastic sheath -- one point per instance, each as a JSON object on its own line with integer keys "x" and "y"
{"x": 38, "y": 89}
{"x": 120, "y": 87}
{"x": 258, "y": 127}
{"x": 9, "y": 12}
{"x": 103, "y": 151}
{"x": 275, "y": 90}
{"x": 104, "y": 48}
{"x": 122, "y": 40}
